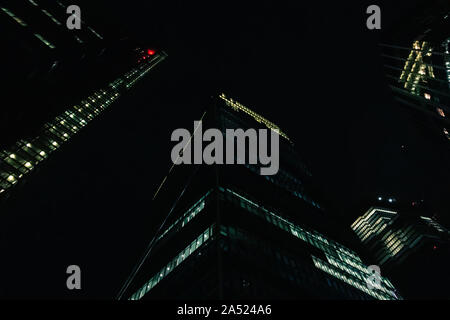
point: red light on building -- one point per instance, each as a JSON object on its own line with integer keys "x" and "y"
{"x": 151, "y": 52}
{"x": 434, "y": 247}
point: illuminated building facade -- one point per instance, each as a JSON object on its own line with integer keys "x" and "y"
{"x": 234, "y": 234}
{"x": 406, "y": 247}
{"x": 69, "y": 79}
{"x": 417, "y": 65}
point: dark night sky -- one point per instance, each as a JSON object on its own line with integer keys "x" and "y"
{"x": 311, "y": 67}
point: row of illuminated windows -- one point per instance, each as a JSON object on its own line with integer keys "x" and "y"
{"x": 145, "y": 70}
{"x": 257, "y": 117}
{"x": 368, "y": 230}
{"x": 176, "y": 261}
{"x": 357, "y": 265}
{"x": 27, "y": 155}
{"x": 370, "y": 218}
{"x": 330, "y": 269}
{"x": 24, "y": 156}
{"x": 48, "y": 14}
{"x": 187, "y": 217}
{"x": 358, "y": 272}
{"x": 307, "y": 236}
{"x": 315, "y": 239}
{"x": 395, "y": 241}
{"x": 346, "y": 257}
{"x": 402, "y": 234}
{"x": 287, "y": 266}
{"x": 380, "y": 225}
{"x": 23, "y": 24}
{"x": 90, "y": 29}
{"x": 275, "y": 180}
{"x": 373, "y": 222}
{"x": 16, "y": 18}
{"x": 415, "y": 68}
{"x": 434, "y": 224}
{"x": 345, "y": 267}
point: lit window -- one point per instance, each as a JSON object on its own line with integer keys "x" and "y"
{"x": 28, "y": 165}
{"x": 48, "y": 44}
{"x": 12, "y": 15}
{"x": 94, "y": 32}
{"x": 11, "y": 178}
{"x": 446, "y": 133}
{"x": 78, "y": 39}
{"x": 42, "y": 153}
{"x": 441, "y": 112}
{"x": 48, "y": 14}
{"x": 427, "y": 96}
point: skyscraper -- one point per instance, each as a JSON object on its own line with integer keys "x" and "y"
{"x": 417, "y": 65}
{"x": 231, "y": 233}
{"x": 73, "y": 75}
{"x": 413, "y": 250}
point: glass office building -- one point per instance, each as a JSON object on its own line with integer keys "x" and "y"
{"x": 417, "y": 65}
{"x": 405, "y": 245}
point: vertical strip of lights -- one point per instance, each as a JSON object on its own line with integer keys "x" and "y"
{"x": 446, "y": 45}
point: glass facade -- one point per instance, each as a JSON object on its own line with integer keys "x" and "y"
{"x": 30, "y": 10}
{"x": 341, "y": 263}
{"x": 417, "y": 69}
{"x": 292, "y": 170}
{"x": 202, "y": 239}
{"x": 255, "y": 245}
{"x": 23, "y": 157}
{"x": 392, "y": 238}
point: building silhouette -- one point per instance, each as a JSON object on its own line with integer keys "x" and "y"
{"x": 417, "y": 66}
{"x": 231, "y": 233}
{"x": 412, "y": 249}
{"x": 64, "y": 79}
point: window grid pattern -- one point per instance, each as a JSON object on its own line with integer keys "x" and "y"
{"x": 187, "y": 217}
{"x": 389, "y": 240}
{"x": 372, "y": 223}
{"x": 346, "y": 265}
{"x": 25, "y": 155}
{"x": 201, "y": 240}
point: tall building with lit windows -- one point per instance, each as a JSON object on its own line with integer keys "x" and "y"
{"x": 231, "y": 233}
{"x": 412, "y": 249}
{"x": 417, "y": 65}
{"x": 60, "y": 81}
